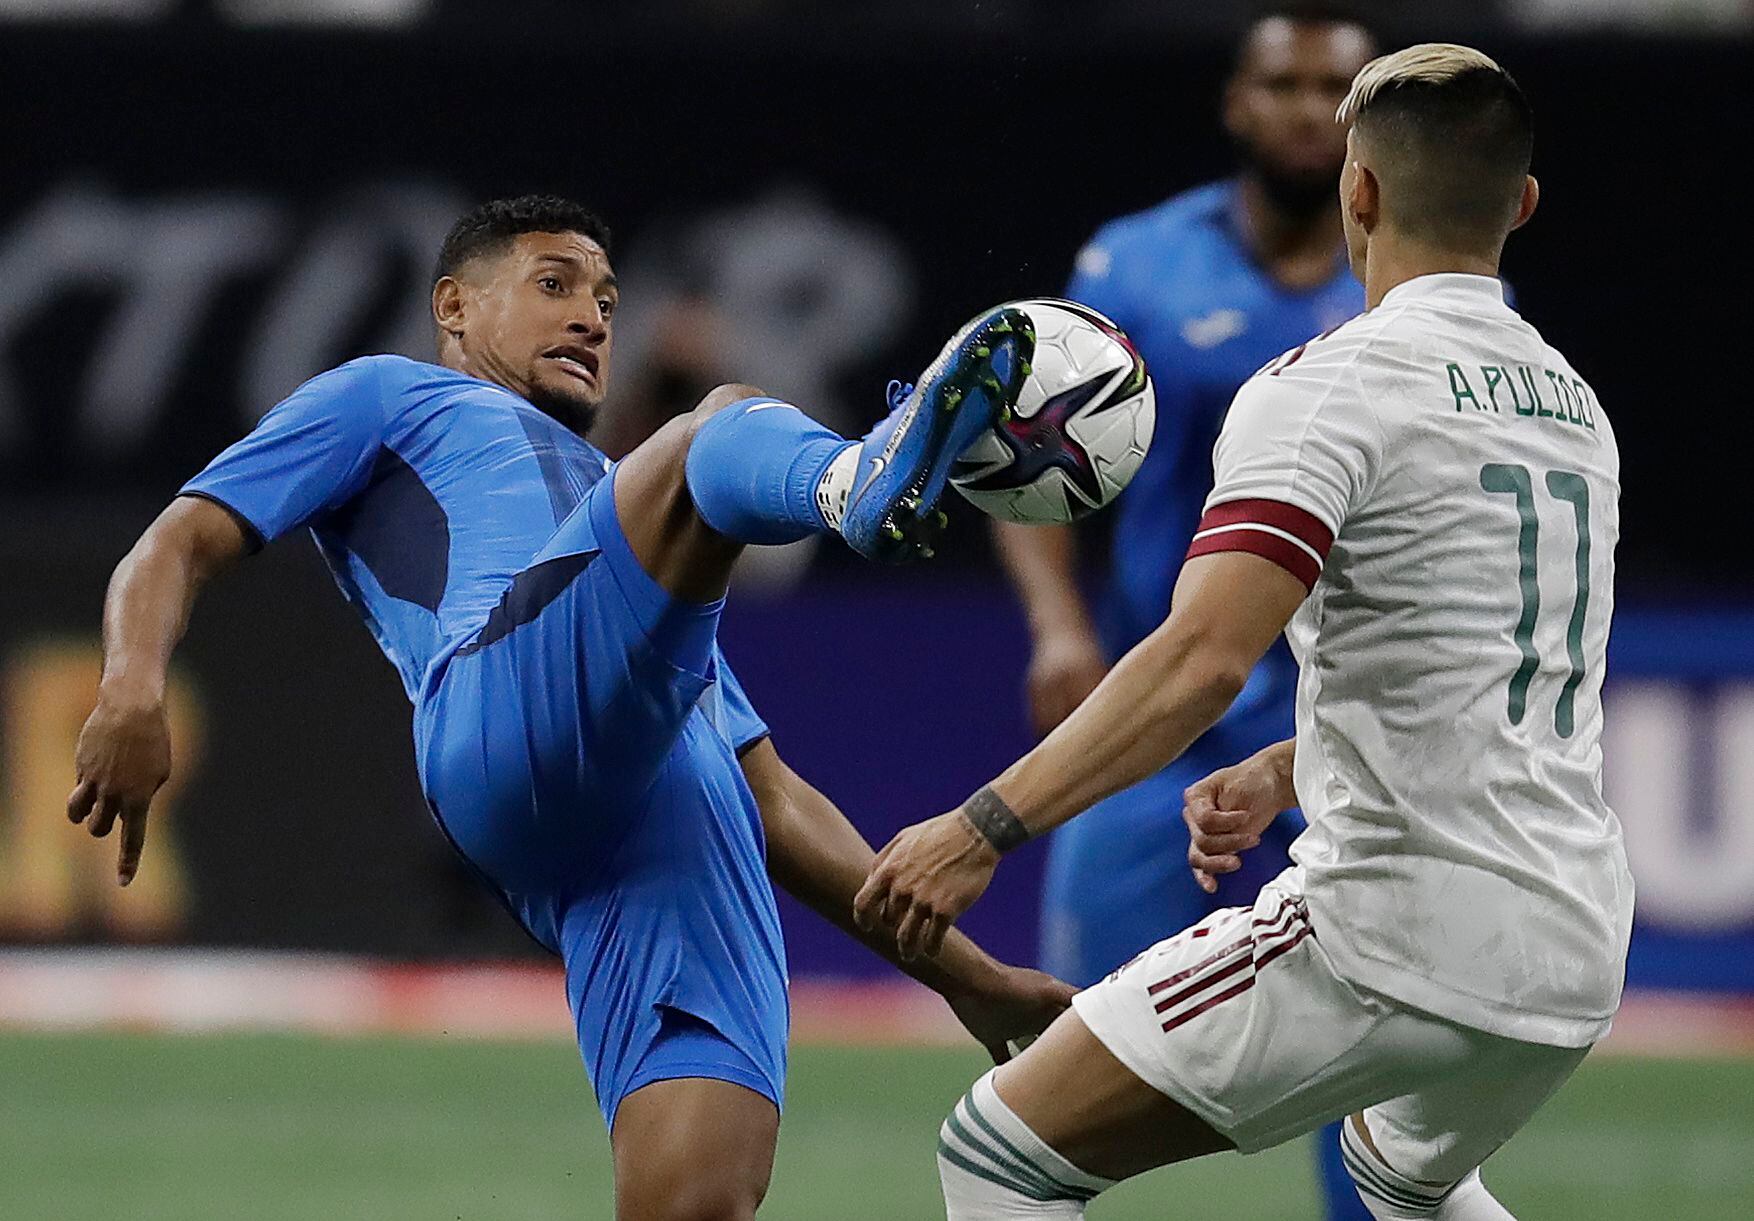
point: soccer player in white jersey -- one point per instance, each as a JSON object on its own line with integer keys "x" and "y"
{"x": 1425, "y": 500}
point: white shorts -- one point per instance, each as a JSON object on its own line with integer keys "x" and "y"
{"x": 1242, "y": 1020}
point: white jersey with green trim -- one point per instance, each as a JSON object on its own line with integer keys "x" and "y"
{"x": 1449, "y": 488}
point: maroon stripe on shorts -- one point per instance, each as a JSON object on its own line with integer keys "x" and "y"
{"x": 1266, "y": 930}
{"x": 1208, "y": 961}
{"x": 1197, "y": 1010}
{"x": 1204, "y": 982}
{"x": 1282, "y": 947}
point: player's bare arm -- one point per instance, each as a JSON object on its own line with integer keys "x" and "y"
{"x": 1229, "y": 608}
{"x": 1066, "y": 659}
{"x": 819, "y": 858}
{"x": 124, "y": 751}
{"x": 1227, "y": 811}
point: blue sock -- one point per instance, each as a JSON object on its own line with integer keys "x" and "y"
{"x": 753, "y": 471}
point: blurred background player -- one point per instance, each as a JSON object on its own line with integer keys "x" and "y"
{"x": 1210, "y": 286}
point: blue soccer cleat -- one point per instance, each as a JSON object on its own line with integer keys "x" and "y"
{"x": 905, "y": 462}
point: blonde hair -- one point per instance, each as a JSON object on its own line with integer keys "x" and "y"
{"x": 1431, "y": 63}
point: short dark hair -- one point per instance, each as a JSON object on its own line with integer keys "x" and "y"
{"x": 1460, "y": 135}
{"x": 1297, "y": 12}
{"x": 1308, "y": 12}
{"x": 490, "y": 227}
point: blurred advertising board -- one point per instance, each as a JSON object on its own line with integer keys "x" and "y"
{"x": 293, "y": 820}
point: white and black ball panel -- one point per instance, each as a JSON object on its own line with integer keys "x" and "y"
{"x": 1081, "y": 426}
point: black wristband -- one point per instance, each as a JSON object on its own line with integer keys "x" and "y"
{"x": 997, "y": 822}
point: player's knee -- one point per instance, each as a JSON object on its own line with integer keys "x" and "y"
{"x": 691, "y": 1193}
{"x": 674, "y": 442}
{"x": 974, "y": 1191}
{"x": 991, "y": 1166}
{"x": 671, "y": 444}
{"x": 710, "y": 405}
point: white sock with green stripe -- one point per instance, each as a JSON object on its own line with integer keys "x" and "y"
{"x": 1391, "y": 1196}
{"x": 993, "y": 1168}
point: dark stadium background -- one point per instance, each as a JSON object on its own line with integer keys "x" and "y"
{"x": 202, "y": 203}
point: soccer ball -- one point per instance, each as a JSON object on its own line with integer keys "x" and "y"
{"x": 1081, "y": 428}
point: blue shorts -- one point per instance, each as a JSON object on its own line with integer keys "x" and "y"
{"x": 580, "y": 752}
{"x": 1118, "y": 880}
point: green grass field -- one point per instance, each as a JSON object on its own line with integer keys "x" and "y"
{"x": 277, "y": 1128}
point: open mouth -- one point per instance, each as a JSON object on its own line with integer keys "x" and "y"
{"x": 578, "y": 362}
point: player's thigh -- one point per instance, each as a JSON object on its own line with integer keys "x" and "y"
{"x": 680, "y": 551}
{"x": 1096, "y": 1112}
{"x": 693, "y": 1149}
{"x": 1439, "y": 1133}
{"x": 1243, "y": 1020}
{"x": 602, "y": 644}
{"x": 548, "y": 729}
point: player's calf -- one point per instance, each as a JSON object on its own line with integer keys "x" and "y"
{"x": 994, "y": 1168}
{"x": 1392, "y": 1196}
{"x": 756, "y": 467}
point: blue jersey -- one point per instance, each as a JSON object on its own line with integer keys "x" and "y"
{"x": 577, "y": 730}
{"x": 1181, "y": 281}
{"x": 426, "y": 490}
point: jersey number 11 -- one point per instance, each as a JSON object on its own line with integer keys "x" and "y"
{"x": 1513, "y": 479}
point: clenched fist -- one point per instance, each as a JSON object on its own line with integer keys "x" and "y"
{"x": 1228, "y": 810}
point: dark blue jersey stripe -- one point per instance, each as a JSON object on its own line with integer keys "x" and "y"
{"x": 562, "y": 497}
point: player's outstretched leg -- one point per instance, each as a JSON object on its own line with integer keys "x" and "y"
{"x": 748, "y": 468}
{"x": 760, "y": 472}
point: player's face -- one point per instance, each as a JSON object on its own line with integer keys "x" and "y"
{"x": 1279, "y": 107}
{"x": 541, "y": 323}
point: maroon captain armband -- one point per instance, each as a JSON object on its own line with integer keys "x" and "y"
{"x": 1293, "y": 538}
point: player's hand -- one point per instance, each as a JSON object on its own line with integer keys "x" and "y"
{"x": 1227, "y": 812}
{"x": 1065, "y": 667}
{"x": 122, "y": 759}
{"x": 925, "y": 878}
{"x": 1007, "y": 1011}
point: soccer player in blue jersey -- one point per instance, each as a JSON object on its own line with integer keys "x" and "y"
{"x": 1210, "y": 285}
{"x": 581, "y": 741}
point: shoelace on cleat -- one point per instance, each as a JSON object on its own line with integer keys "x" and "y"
{"x": 897, "y": 393}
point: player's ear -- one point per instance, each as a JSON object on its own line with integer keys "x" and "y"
{"x": 1530, "y": 201}
{"x": 1363, "y": 199}
{"x": 449, "y": 307}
